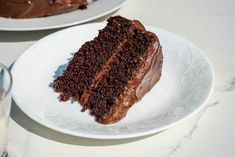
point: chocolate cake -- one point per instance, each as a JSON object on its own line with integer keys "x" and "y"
{"x": 38, "y": 8}
{"x": 113, "y": 71}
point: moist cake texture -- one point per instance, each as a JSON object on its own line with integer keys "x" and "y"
{"x": 113, "y": 71}
{"x": 38, "y": 8}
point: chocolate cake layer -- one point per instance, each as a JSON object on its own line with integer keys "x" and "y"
{"x": 38, "y": 8}
{"x": 129, "y": 65}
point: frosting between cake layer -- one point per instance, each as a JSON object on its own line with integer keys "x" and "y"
{"x": 99, "y": 76}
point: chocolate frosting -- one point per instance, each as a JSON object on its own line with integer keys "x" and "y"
{"x": 142, "y": 82}
{"x": 37, "y": 8}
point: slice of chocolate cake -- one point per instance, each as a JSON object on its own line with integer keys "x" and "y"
{"x": 38, "y": 8}
{"x": 113, "y": 71}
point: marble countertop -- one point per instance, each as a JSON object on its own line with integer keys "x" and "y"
{"x": 210, "y": 25}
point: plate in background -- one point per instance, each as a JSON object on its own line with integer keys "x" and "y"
{"x": 94, "y": 10}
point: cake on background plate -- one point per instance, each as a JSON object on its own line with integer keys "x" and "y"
{"x": 108, "y": 74}
{"x": 38, "y": 8}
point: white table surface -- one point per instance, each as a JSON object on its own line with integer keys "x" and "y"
{"x": 209, "y": 24}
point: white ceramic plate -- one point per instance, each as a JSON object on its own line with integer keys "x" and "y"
{"x": 95, "y": 10}
{"x": 186, "y": 83}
